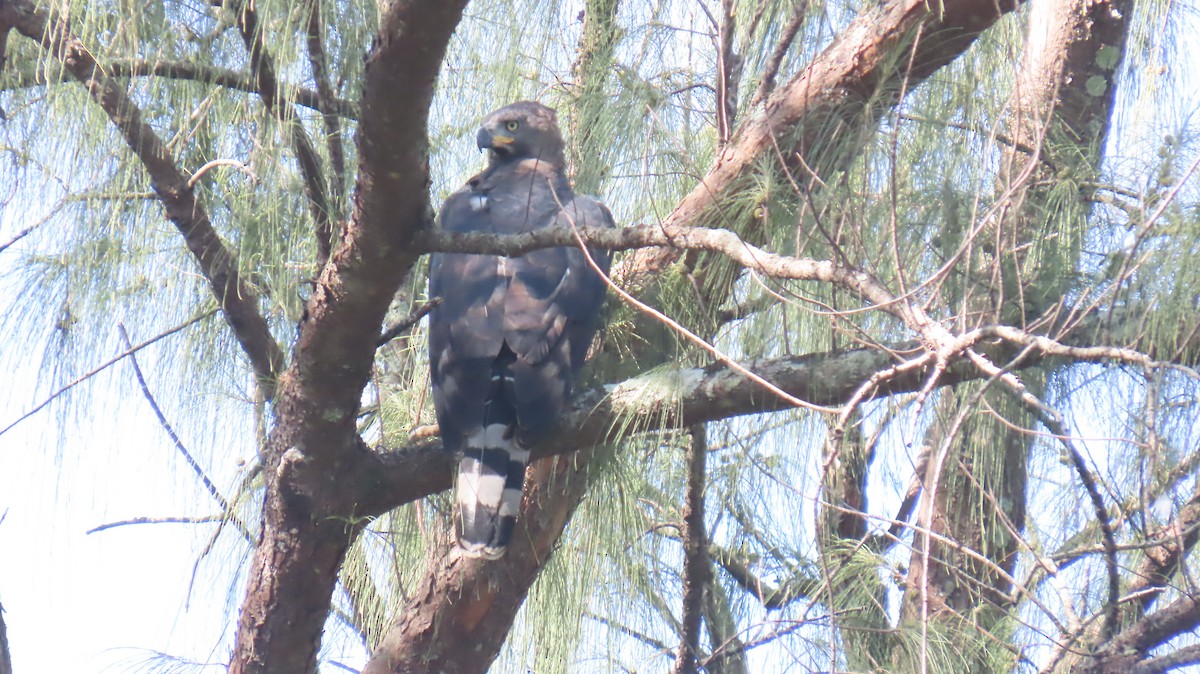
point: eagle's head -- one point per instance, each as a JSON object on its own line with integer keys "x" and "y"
{"x": 523, "y": 130}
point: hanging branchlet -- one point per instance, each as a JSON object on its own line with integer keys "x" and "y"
{"x": 696, "y": 569}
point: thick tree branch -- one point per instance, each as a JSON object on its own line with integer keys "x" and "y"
{"x": 312, "y": 512}
{"x": 473, "y": 601}
{"x": 239, "y": 301}
{"x": 853, "y": 81}
{"x": 1131, "y": 646}
{"x": 672, "y": 400}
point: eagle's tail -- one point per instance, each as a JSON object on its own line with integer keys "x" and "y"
{"x": 491, "y": 475}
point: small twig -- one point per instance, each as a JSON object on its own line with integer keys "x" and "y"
{"x": 191, "y": 183}
{"x": 103, "y": 366}
{"x": 1052, "y": 420}
{"x": 414, "y": 317}
{"x": 766, "y": 82}
{"x": 207, "y": 519}
{"x": 166, "y": 425}
{"x": 34, "y": 227}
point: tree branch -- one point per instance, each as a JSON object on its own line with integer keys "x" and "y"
{"x": 263, "y": 68}
{"x": 5, "y": 656}
{"x": 208, "y": 519}
{"x": 409, "y": 322}
{"x": 103, "y": 366}
{"x": 311, "y": 512}
{"x": 766, "y": 81}
{"x": 183, "y": 450}
{"x": 318, "y": 63}
{"x": 677, "y": 399}
{"x": 196, "y": 72}
{"x": 855, "y": 69}
{"x": 695, "y": 554}
{"x": 238, "y": 300}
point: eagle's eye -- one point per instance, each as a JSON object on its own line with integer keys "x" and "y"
{"x": 512, "y": 125}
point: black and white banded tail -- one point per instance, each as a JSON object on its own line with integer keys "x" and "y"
{"x": 491, "y": 473}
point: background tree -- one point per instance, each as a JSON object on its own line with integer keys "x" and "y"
{"x": 898, "y": 374}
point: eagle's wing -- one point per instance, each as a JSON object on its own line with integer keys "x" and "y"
{"x": 551, "y": 312}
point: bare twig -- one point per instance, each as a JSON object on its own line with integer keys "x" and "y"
{"x": 35, "y": 226}
{"x": 220, "y": 162}
{"x": 207, "y": 519}
{"x": 187, "y": 70}
{"x": 409, "y": 322}
{"x": 106, "y": 364}
{"x": 183, "y": 450}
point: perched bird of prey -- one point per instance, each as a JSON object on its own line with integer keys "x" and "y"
{"x": 511, "y": 332}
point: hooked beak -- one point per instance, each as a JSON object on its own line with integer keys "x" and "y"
{"x": 497, "y": 141}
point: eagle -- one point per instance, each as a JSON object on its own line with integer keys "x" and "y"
{"x": 510, "y": 333}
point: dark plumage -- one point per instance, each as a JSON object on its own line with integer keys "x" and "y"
{"x": 511, "y": 333}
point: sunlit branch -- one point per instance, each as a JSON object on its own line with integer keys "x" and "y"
{"x": 696, "y": 238}
{"x": 220, "y": 162}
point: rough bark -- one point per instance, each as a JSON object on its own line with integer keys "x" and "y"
{"x": 309, "y": 516}
{"x": 5, "y": 656}
{"x": 461, "y": 614}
